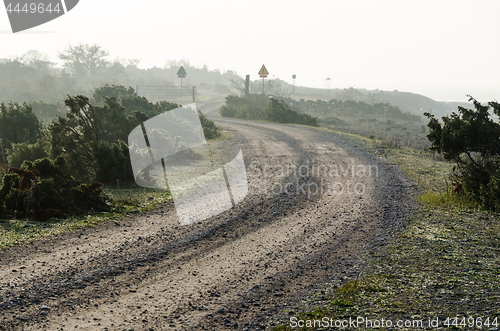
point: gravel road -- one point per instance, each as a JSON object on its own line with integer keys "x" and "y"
{"x": 235, "y": 270}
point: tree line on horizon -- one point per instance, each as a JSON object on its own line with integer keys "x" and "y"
{"x": 33, "y": 77}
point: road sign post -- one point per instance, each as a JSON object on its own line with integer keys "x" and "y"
{"x": 263, "y": 73}
{"x": 247, "y": 86}
{"x": 181, "y": 74}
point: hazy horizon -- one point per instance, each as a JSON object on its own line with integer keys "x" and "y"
{"x": 443, "y": 50}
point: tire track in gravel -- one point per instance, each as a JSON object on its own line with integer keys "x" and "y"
{"x": 234, "y": 270}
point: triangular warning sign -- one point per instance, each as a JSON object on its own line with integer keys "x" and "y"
{"x": 181, "y": 73}
{"x": 263, "y": 72}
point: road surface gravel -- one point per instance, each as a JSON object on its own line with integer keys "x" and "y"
{"x": 235, "y": 270}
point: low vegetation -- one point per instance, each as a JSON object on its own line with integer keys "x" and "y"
{"x": 470, "y": 139}
{"x": 122, "y": 201}
{"x": 43, "y": 189}
{"x": 256, "y": 107}
{"x": 350, "y": 107}
{"x": 59, "y": 171}
{"x": 443, "y": 266}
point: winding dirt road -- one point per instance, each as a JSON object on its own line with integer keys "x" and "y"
{"x": 233, "y": 271}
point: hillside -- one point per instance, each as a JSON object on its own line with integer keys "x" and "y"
{"x": 406, "y": 101}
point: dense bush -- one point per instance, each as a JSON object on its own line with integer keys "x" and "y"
{"x": 42, "y": 189}
{"x": 107, "y": 91}
{"x": 92, "y": 138}
{"x": 76, "y": 135}
{"x": 277, "y": 111}
{"x": 255, "y": 107}
{"x": 471, "y": 139}
{"x": 27, "y": 152}
{"x": 251, "y": 108}
{"x": 111, "y": 162}
{"x": 86, "y": 148}
{"x": 210, "y": 130}
{"x": 18, "y": 124}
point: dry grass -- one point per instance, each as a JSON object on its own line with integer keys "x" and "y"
{"x": 17, "y": 231}
{"x": 445, "y": 264}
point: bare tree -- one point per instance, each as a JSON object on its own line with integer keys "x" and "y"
{"x": 90, "y": 64}
{"x": 132, "y": 62}
{"x": 177, "y": 63}
{"x": 255, "y": 87}
{"x": 36, "y": 59}
{"x": 85, "y": 59}
{"x": 280, "y": 88}
{"x": 238, "y": 84}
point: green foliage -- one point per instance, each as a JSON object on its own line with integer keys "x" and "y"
{"x": 111, "y": 162}
{"x": 471, "y": 139}
{"x": 446, "y": 199}
{"x": 346, "y": 295}
{"x": 226, "y": 111}
{"x": 27, "y": 152}
{"x": 135, "y": 102}
{"x": 128, "y": 99}
{"x": 116, "y": 91}
{"x": 9, "y": 194}
{"x": 91, "y": 138}
{"x": 87, "y": 147}
{"x": 251, "y": 108}
{"x": 18, "y": 124}
{"x": 76, "y": 136}
{"x": 163, "y": 106}
{"x": 350, "y": 108}
{"x": 210, "y": 130}
{"x": 42, "y": 189}
{"x": 277, "y": 111}
{"x": 255, "y": 107}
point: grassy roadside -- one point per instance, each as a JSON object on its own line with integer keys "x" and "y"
{"x": 446, "y": 264}
{"x": 128, "y": 200}
{"x": 125, "y": 200}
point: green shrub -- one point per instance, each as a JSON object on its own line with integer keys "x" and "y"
{"x": 18, "y": 124}
{"x": 24, "y": 151}
{"x": 110, "y": 163}
{"x": 210, "y": 130}
{"x": 226, "y": 111}
{"x": 255, "y": 107}
{"x": 277, "y": 111}
{"x": 251, "y": 108}
{"x": 42, "y": 189}
{"x": 471, "y": 140}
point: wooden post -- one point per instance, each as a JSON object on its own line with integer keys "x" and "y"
{"x": 247, "y": 86}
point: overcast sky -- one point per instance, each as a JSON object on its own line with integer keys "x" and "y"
{"x": 442, "y": 49}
